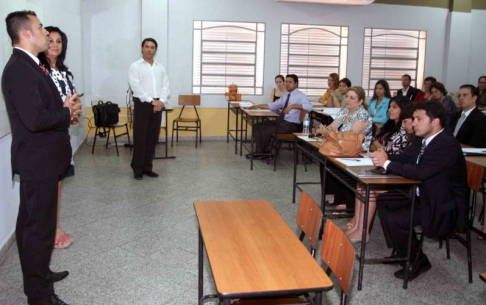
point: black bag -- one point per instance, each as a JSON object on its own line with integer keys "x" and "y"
{"x": 105, "y": 114}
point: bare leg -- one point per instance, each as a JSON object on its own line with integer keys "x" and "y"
{"x": 355, "y": 232}
{"x": 62, "y": 239}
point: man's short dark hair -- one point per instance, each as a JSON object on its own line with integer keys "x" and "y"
{"x": 474, "y": 90}
{"x": 430, "y": 79}
{"x": 294, "y": 77}
{"x": 434, "y": 110}
{"x": 407, "y": 76}
{"x": 17, "y": 21}
{"x": 151, "y": 40}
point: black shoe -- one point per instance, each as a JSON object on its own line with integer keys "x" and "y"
{"x": 150, "y": 174}
{"x": 256, "y": 157}
{"x": 57, "y": 276}
{"x": 54, "y": 300}
{"x": 423, "y": 265}
{"x": 137, "y": 176}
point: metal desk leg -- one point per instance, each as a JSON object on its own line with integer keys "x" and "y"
{"x": 323, "y": 174}
{"x": 228, "y": 125}
{"x": 226, "y": 302}
{"x": 252, "y": 140}
{"x": 200, "y": 269}
{"x": 241, "y": 142}
{"x": 318, "y": 298}
{"x": 236, "y": 130}
{"x": 363, "y": 238}
{"x": 410, "y": 233}
{"x": 295, "y": 171}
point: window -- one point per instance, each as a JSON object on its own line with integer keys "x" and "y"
{"x": 312, "y": 52}
{"x": 228, "y": 53}
{"x": 389, "y": 54}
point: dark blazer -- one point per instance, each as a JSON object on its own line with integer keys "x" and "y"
{"x": 411, "y": 93}
{"x": 472, "y": 131}
{"x": 40, "y": 140}
{"x": 443, "y": 192}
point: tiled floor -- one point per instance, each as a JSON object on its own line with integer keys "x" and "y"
{"x": 136, "y": 241}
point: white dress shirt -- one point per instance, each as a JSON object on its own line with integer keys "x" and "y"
{"x": 148, "y": 81}
{"x": 34, "y": 58}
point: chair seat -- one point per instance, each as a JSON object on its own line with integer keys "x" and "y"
{"x": 186, "y": 119}
{"x": 285, "y": 136}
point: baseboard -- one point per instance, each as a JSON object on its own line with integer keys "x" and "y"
{"x": 7, "y": 246}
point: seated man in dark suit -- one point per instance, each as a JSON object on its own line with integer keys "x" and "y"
{"x": 435, "y": 158}
{"x": 408, "y": 90}
{"x": 468, "y": 125}
{"x": 290, "y": 104}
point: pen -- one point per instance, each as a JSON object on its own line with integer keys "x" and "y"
{"x": 357, "y": 160}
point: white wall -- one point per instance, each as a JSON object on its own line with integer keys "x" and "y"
{"x": 477, "y": 49}
{"x": 109, "y": 81}
{"x": 67, "y": 15}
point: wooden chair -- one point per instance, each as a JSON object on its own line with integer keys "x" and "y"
{"x": 309, "y": 218}
{"x": 111, "y": 128}
{"x": 475, "y": 174}
{"x": 188, "y": 124}
{"x": 337, "y": 252}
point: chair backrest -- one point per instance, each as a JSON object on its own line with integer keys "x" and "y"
{"x": 309, "y": 218}
{"x": 475, "y": 175}
{"x": 337, "y": 252}
{"x": 189, "y": 100}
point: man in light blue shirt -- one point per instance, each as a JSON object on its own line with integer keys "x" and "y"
{"x": 290, "y": 105}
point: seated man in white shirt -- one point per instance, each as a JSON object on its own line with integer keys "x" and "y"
{"x": 408, "y": 90}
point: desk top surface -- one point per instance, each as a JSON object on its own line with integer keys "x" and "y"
{"x": 260, "y": 112}
{"x": 479, "y": 160}
{"x": 251, "y": 249}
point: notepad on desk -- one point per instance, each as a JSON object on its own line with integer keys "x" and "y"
{"x": 355, "y": 161}
{"x": 307, "y": 139}
{"x": 368, "y": 172}
{"x": 474, "y": 151}
{"x": 258, "y": 110}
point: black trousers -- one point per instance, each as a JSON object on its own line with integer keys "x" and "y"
{"x": 35, "y": 232}
{"x": 395, "y": 221}
{"x": 341, "y": 193}
{"x": 264, "y": 131}
{"x": 146, "y": 129}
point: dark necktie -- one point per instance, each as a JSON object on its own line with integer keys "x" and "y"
{"x": 43, "y": 68}
{"x": 282, "y": 114}
{"x": 422, "y": 149}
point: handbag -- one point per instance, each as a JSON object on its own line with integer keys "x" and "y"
{"x": 105, "y": 114}
{"x": 342, "y": 143}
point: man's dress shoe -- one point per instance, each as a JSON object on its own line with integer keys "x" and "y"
{"x": 137, "y": 176}
{"x": 423, "y": 265}
{"x": 151, "y": 174}
{"x": 57, "y": 276}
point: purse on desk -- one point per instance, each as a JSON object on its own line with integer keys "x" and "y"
{"x": 342, "y": 143}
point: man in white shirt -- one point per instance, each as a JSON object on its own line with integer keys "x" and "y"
{"x": 468, "y": 125}
{"x": 408, "y": 90}
{"x": 150, "y": 85}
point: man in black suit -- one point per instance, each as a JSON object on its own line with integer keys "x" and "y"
{"x": 468, "y": 125}
{"x": 408, "y": 90}
{"x": 40, "y": 153}
{"x": 435, "y": 158}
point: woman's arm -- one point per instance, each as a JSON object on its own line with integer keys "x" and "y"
{"x": 272, "y": 95}
{"x": 359, "y": 126}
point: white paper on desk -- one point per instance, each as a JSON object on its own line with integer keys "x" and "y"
{"x": 317, "y": 104}
{"x": 259, "y": 110}
{"x": 474, "y": 150}
{"x": 245, "y": 104}
{"x": 306, "y": 138}
{"x": 355, "y": 161}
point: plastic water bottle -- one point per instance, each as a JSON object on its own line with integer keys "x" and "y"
{"x": 306, "y": 129}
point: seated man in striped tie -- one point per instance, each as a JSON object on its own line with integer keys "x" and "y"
{"x": 468, "y": 124}
{"x": 435, "y": 158}
{"x": 290, "y": 104}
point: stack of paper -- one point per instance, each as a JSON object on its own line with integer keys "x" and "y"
{"x": 245, "y": 104}
{"x": 474, "y": 151}
{"x": 355, "y": 161}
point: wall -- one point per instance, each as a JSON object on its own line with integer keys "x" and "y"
{"x": 67, "y": 15}
{"x": 477, "y": 62}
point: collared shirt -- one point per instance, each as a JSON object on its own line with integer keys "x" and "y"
{"x": 34, "y": 58}
{"x": 466, "y": 113}
{"x": 380, "y": 114}
{"x": 148, "y": 81}
{"x": 404, "y": 92}
{"x": 296, "y": 98}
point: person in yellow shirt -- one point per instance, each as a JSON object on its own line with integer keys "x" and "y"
{"x": 332, "y": 84}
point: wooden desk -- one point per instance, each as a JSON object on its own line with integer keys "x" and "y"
{"x": 330, "y": 166}
{"x": 254, "y": 253}
{"x": 250, "y": 115}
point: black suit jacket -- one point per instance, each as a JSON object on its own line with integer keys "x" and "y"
{"x": 411, "y": 93}
{"x": 443, "y": 192}
{"x": 472, "y": 131}
{"x": 39, "y": 122}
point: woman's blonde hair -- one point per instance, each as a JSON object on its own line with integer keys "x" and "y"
{"x": 361, "y": 94}
{"x": 335, "y": 78}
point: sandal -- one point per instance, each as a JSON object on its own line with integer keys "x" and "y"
{"x": 69, "y": 238}
{"x": 480, "y": 237}
{"x": 62, "y": 242}
{"x": 348, "y": 226}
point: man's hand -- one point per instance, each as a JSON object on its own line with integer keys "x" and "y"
{"x": 158, "y": 105}
{"x": 379, "y": 157}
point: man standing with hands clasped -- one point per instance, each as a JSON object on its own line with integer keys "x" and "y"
{"x": 435, "y": 158}
{"x": 150, "y": 85}
{"x": 41, "y": 152}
